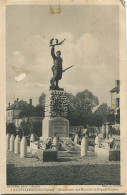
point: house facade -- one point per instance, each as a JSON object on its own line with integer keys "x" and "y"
{"x": 13, "y": 113}
{"x": 115, "y": 97}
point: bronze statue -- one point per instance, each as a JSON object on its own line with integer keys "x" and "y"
{"x": 57, "y": 65}
{"x": 57, "y": 68}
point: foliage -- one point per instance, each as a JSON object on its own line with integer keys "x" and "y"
{"x": 24, "y": 129}
{"x": 42, "y": 99}
{"x": 27, "y": 110}
{"x": 39, "y": 111}
{"x": 80, "y": 112}
{"x": 118, "y": 118}
{"x": 101, "y": 114}
{"x": 85, "y": 101}
{"x": 30, "y": 110}
{"x": 37, "y": 128}
{"x": 72, "y": 112}
{"x": 80, "y": 108}
{"x": 111, "y": 118}
{"x": 103, "y": 110}
{"x": 11, "y": 128}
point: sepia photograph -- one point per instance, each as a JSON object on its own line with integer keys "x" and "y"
{"x": 63, "y": 96}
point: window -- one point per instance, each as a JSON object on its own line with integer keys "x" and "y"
{"x": 117, "y": 102}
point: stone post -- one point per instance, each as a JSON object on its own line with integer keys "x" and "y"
{"x": 55, "y": 143}
{"x": 84, "y": 147}
{"x": 87, "y": 140}
{"x": 32, "y": 137}
{"x": 17, "y": 145}
{"x": 76, "y": 138}
{"x": 97, "y": 143}
{"x": 103, "y": 131}
{"x": 23, "y": 147}
{"x": 7, "y": 141}
{"x": 107, "y": 131}
{"x": 12, "y": 142}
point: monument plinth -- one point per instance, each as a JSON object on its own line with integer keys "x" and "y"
{"x": 56, "y": 109}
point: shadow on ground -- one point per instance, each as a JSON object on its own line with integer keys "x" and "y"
{"x": 84, "y": 174}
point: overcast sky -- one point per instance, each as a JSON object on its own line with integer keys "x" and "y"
{"x": 92, "y": 44}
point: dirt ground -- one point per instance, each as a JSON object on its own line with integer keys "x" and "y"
{"x": 70, "y": 169}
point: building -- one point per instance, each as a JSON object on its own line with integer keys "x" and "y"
{"x": 13, "y": 113}
{"x": 115, "y": 97}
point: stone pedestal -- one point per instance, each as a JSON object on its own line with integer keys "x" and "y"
{"x": 47, "y": 155}
{"x": 56, "y": 110}
{"x": 57, "y": 125}
{"x": 108, "y": 154}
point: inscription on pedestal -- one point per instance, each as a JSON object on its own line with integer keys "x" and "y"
{"x": 57, "y": 125}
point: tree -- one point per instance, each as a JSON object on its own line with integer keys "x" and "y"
{"x": 11, "y": 128}
{"x": 85, "y": 101}
{"x": 42, "y": 99}
{"x": 80, "y": 107}
{"x": 101, "y": 114}
{"x": 39, "y": 111}
{"x": 37, "y": 128}
{"x": 117, "y": 118}
{"x": 24, "y": 129}
{"x": 27, "y": 110}
{"x": 72, "y": 111}
{"x": 111, "y": 118}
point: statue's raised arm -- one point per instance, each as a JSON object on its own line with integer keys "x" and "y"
{"x": 53, "y": 51}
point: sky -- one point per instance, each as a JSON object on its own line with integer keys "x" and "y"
{"x": 92, "y": 45}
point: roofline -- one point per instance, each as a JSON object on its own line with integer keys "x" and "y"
{"x": 13, "y": 109}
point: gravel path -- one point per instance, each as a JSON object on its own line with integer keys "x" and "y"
{"x": 70, "y": 169}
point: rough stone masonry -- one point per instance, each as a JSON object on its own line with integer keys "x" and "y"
{"x": 56, "y": 110}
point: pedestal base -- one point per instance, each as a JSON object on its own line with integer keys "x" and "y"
{"x": 47, "y": 155}
{"x": 108, "y": 154}
{"x": 57, "y": 125}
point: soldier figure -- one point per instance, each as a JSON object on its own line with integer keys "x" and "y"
{"x": 56, "y": 68}
{"x": 57, "y": 65}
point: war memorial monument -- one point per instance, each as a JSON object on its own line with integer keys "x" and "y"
{"x": 56, "y": 106}
{"x": 84, "y": 153}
